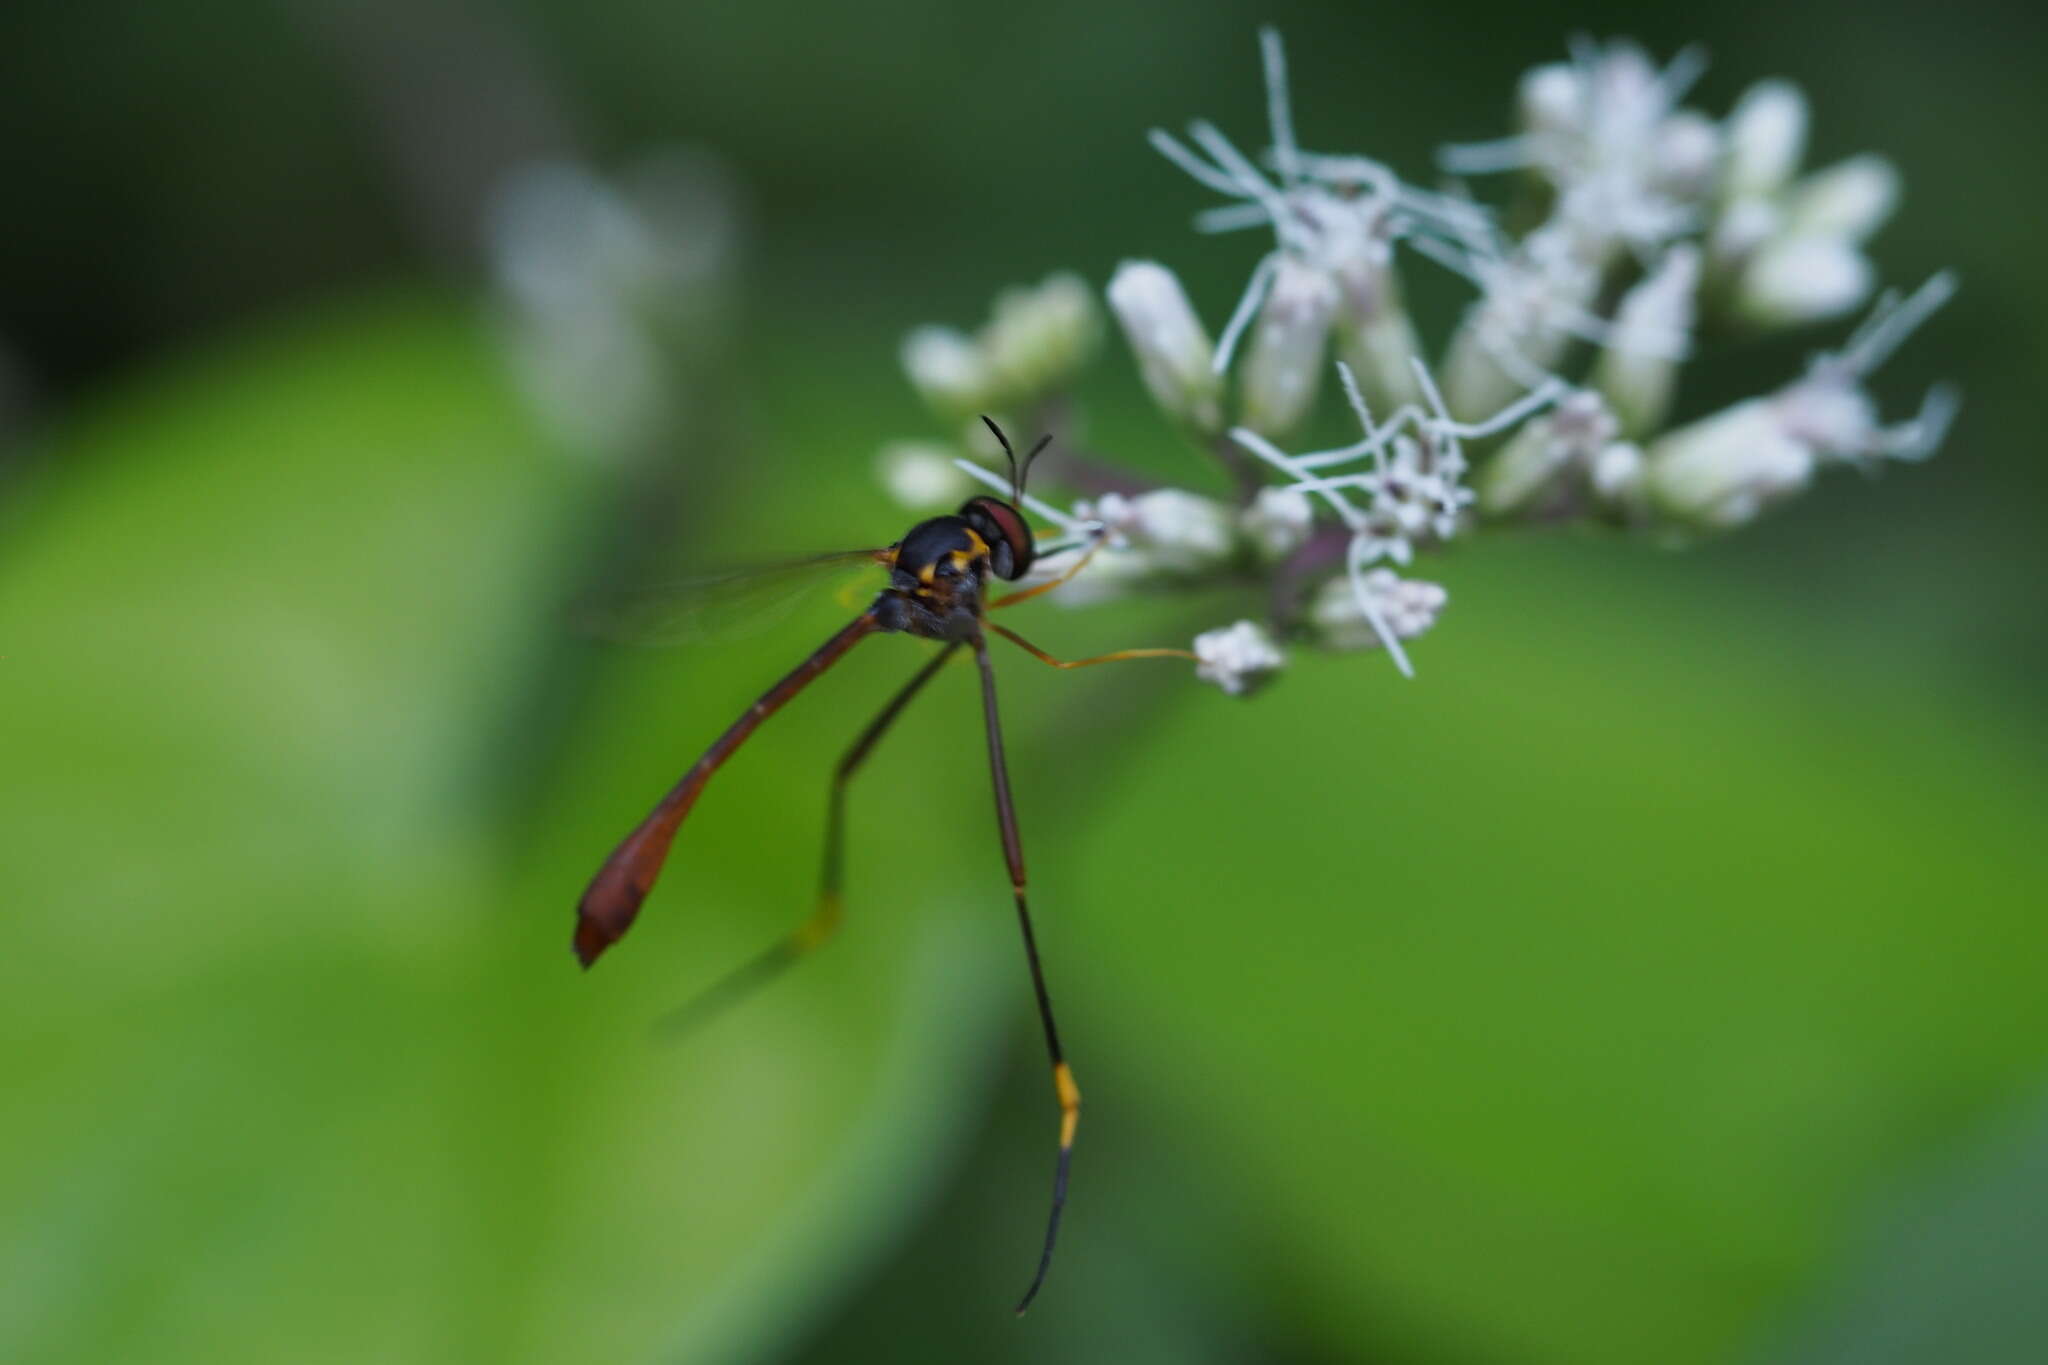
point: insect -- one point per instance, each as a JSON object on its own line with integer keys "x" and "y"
{"x": 938, "y": 589}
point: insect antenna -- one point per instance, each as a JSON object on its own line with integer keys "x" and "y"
{"x": 1018, "y": 473}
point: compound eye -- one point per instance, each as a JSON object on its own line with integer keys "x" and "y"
{"x": 1007, "y": 534}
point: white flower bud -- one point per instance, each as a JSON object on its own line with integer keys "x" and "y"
{"x": 1552, "y": 99}
{"x": 1179, "y": 533}
{"x": 1688, "y": 154}
{"x": 1526, "y": 468}
{"x": 1850, "y": 199}
{"x": 1278, "y": 522}
{"x": 1766, "y": 138}
{"x": 1742, "y": 227}
{"x": 1238, "y": 658}
{"x": 1617, "y": 477}
{"x": 562, "y": 238}
{"x": 1647, "y": 339}
{"x": 1112, "y": 510}
{"x": 1474, "y": 380}
{"x": 1376, "y": 338}
{"x": 1354, "y": 243}
{"x": 1831, "y": 412}
{"x": 1520, "y": 326}
{"x": 1794, "y": 280}
{"x": 919, "y": 474}
{"x": 1625, "y": 84}
{"x": 1174, "y": 354}
{"x": 1283, "y": 367}
{"x": 1407, "y": 606}
{"x": 1039, "y": 337}
{"x": 1722, "y": 470}
{"x": 1544, "y": 450}
{"x": 605, "y": 287}
{"x": 947, "y": 369}
{"x": 1381, "y": 352}
{"x": 1831, "y": 415}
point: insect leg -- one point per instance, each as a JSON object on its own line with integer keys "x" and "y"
{"x": 613, "y": 898}
{"x": 1014, "y": 638}
{"x": 1062, "y": 1075}
{"x": 1012, "y": 599}
{"x": 824, "y": 920}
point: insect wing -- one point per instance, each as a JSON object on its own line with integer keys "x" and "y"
{"x": 731, "y": 603}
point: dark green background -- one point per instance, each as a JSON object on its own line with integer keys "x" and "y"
{"x": 1658, "y": 977}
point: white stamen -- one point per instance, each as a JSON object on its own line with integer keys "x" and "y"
{"x": 1544, "y": 394}
{"x": 1278, "y": 115}
{"x": 1272, "y": 455}
{"x": 1247, "y": 306}
{"x": 1354, "y": 569}
{"x": 1170, "y": 147}
{"x": 1920, "y": 438}
{"x": 1250, "y": 183}
{"x": 1891, "y": 322}
{"x": 1680, "y": 75}
{"x": 1364, "y": 413}
{"x": 1489, "y": 158}
{"x": 1231, "y": 218}
{"x": 1455, "y": 258}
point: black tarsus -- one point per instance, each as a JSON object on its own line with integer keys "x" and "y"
{"x": 1013, "y": 856}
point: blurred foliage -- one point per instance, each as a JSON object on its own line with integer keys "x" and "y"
{"x": 301, "y": 1054}
{"x": 1951, "y": 1272}
{"x": 1674, "y": 937}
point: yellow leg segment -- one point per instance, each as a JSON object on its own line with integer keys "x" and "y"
{"x": 823, "y": 923}
{"x": 1035, "y": 652}
{"x": 1070, "y": 1102}
{"x": 1028, "y": 593}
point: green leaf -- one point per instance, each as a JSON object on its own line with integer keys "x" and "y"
{"x": 1957, "y": 1270}
{"x": 1562, "y": 1004}
{"x": 300, "y": 1064}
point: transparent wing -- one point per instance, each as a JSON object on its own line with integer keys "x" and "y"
{"x": 733, "y": 602}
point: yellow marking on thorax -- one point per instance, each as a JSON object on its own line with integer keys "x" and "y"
{"x": 977, "y": 549}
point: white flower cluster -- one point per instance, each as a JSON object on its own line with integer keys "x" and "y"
{"x": 1237, "y": 658}
{"x": 1037, "y": 340}
{"x": 1410, "y": 494}
{"x": 1725, "y": 468}
{"x": 1335, "y": 222}
{"x": 1557, "y": 384}
{"x": 1380, "y": 606}
{"x": 603, "y": 286}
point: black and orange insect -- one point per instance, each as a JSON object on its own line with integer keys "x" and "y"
{"x": 937, "y": 590}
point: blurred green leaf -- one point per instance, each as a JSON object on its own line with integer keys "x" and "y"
{"x": 1957, "y": 1273}
{"x": 1560, "y": 1005}
{"x": 300, "y": 1064}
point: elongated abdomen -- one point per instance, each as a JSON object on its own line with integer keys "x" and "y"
{"x": 612, "y": 901}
